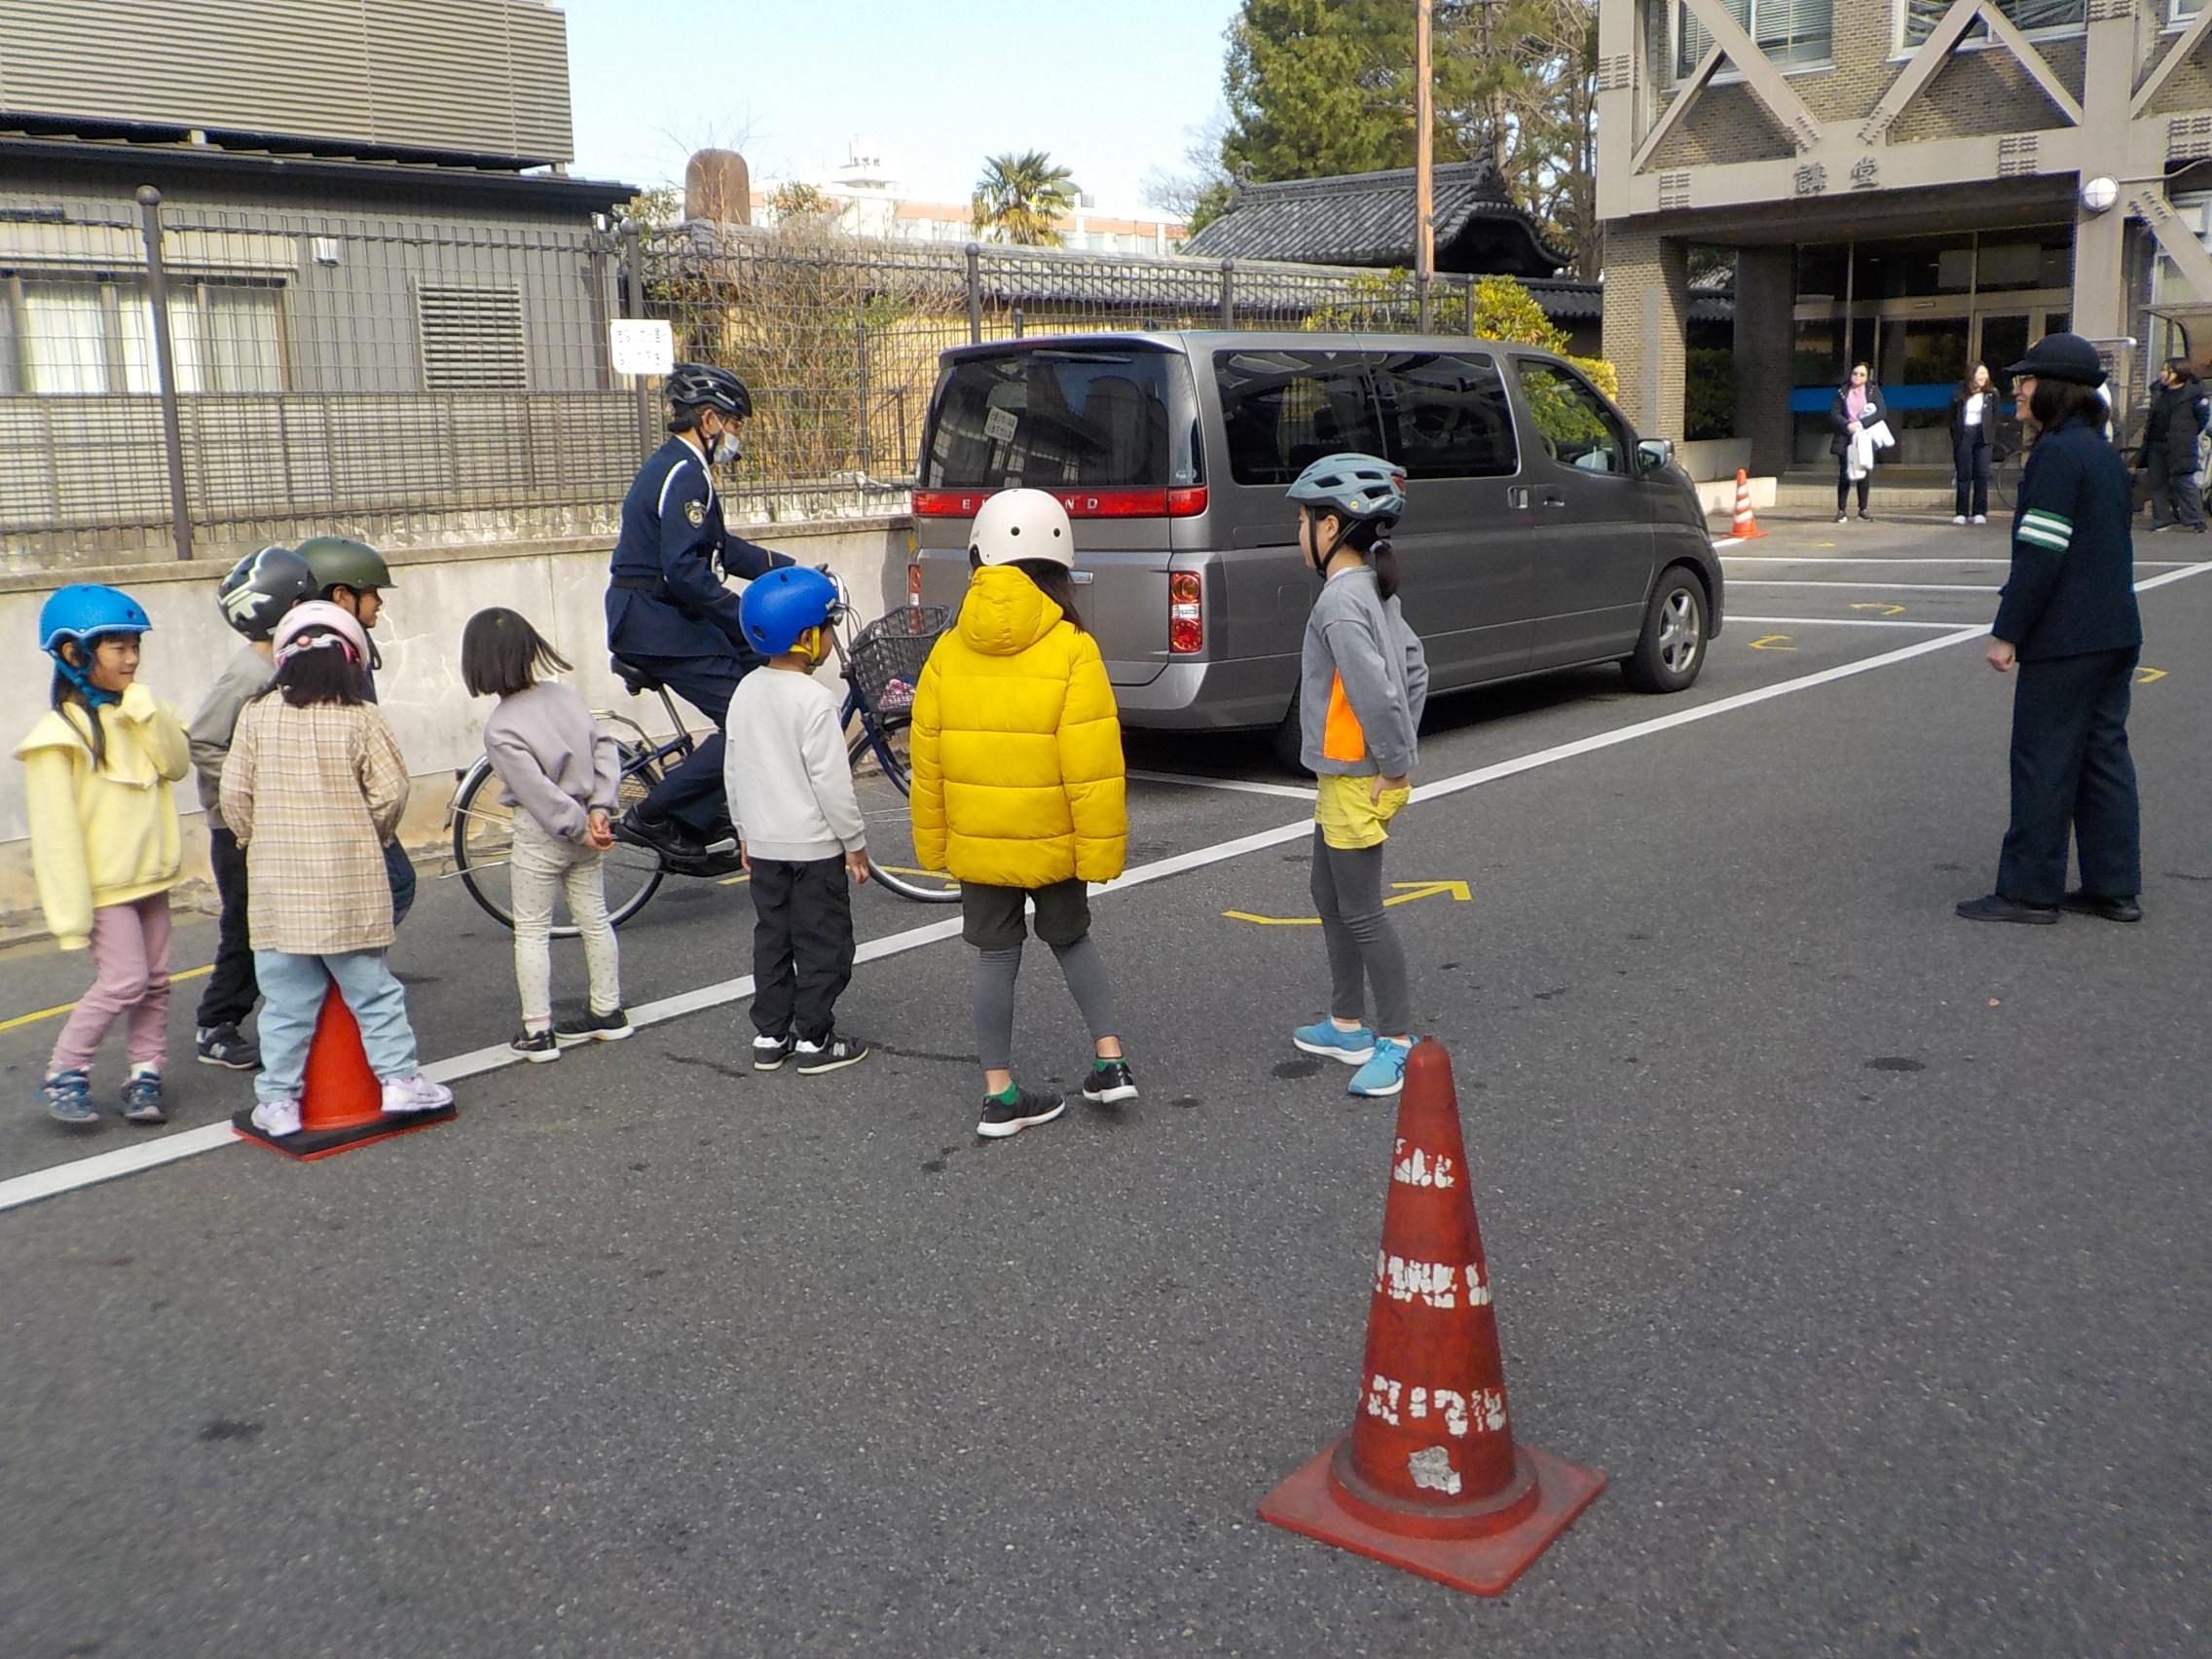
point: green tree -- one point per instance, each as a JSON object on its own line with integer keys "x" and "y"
{"x": 1019, "y": 197}
{"x": 1322, "y": 87}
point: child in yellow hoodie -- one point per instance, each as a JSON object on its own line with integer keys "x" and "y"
{"x": 1019, "y": 789}
{"x": 105, "y": 840}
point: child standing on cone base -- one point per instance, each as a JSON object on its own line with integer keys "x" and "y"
{"x": 1019, "y": 789}
{"x": 798, "y": 823}
{"x": 1363, "y": 684}
{"x": 557, "y": 772}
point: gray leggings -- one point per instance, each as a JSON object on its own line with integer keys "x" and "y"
{"x": 995, "y": 971}
{"x": 1363, "y": 946}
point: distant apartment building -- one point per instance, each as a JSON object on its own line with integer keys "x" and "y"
{"x": 869, "y": 201}
{"x": 1913, "y": 184}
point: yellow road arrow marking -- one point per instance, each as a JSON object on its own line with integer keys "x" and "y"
{"x": 1408, "y": 892}
{"x": 1885, "y": 609}
{"x": 1773, "y": 642}
{"x": 2145, "y": 676}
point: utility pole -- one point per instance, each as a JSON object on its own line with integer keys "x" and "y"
{"x": 1425, "y": 164}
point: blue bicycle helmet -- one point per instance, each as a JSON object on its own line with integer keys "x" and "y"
{"x": 781, "y": 605}
{"x": 84, "y": 611}
{"x": 1359, "y": 489}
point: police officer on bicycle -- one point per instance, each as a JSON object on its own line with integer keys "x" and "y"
{"x": 668, "y": 612}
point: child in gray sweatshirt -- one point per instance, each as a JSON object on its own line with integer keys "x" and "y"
{"x": 1363, "y": 684}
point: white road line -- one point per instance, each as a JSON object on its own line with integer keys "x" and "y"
{"x": 1242, "y": 786}
{"x": 84, "y": 1173}
{"x": 1837, "y": 622}
{"x": 1877, "y": 559}
{"x": 1866, "y": 587}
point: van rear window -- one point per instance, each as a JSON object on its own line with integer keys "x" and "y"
{"x": 1044, "y": 418}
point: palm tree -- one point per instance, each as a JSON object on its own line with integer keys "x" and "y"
{"x": 1019, "y": 196}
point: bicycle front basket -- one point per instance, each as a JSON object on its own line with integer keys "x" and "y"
{"x": 886, "y": 658}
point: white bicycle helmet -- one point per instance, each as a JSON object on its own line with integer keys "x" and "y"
{"x": 1023, "y": 524}
{"x": 314, "y": 624}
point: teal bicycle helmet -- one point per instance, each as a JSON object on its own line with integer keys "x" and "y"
{"x": 1359, "y": 489}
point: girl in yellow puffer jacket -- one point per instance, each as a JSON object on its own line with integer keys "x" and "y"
{"x": 1019, "y": 789}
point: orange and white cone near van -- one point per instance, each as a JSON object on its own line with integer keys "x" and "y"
{"x": 1746, "y": 527}
{"x": 341, "y": 1101}
{"x": 1430, "y": 1478}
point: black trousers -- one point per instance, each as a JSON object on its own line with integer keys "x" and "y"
{"x": 692, "y": 793}
{"x": 803, "y": 946}
{"x": 1843, "y": 483}
{"x": 232, "y": 989}
{"x": 2173, "y": 494}
{"x": 2072, "y": 772}
{"x": 1972, "y": 458}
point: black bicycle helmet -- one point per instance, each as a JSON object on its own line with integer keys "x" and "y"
{"x": 698, "y": 386}
{"x": 261, "y": 587}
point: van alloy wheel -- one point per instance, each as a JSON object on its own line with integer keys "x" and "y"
{"x": 1681, "y": 631}
{"x": 1670, "y": 650}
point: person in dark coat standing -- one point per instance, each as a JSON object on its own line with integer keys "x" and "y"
{"x": 1857, "y": 405}
{"x": 2067, "y": 617}
{"x": 2171, "y": 432}
{"x": 1974, "y": 421}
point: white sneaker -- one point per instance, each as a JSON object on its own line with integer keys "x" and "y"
{"x": 417, "y": 1093}
{"x": 1982, "y": 518}
{"x": 277, "y": 1118}
{"x": 1959, "y": 518}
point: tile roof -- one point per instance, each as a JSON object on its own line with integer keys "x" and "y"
{"x": 1367, "y": 219}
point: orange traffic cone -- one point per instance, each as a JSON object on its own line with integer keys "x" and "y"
{"x": 340, "y": 1102}
{"x": 1429, "y": 1477}
{"x": 1746, "y": 527}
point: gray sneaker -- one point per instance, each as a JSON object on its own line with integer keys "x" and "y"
{"x": 69, "y": 1098}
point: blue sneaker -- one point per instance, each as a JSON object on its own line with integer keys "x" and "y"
{"x": 1326, "y": 1039}
{"x": 142, "y": 1097}
{"x": 69, "y": 1098}
{"x": 1385, "y": 1074}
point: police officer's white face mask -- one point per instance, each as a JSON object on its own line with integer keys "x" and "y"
{"x": 722, "y": 449}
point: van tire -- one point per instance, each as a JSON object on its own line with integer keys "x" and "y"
{"x": 1670, "y": 651}
{"x": 1288, "y": 741}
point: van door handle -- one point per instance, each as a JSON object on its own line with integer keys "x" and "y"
{"x": 1552, "y": 499}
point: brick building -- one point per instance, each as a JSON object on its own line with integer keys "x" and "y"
{"x": 1915, "y": 184}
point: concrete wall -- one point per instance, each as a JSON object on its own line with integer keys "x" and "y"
{"x": 560, "y": 586}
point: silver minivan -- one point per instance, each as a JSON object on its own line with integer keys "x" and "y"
{"x": 1539, "y": 534}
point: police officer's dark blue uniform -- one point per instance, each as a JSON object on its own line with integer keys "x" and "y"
{"x": 666, "y": 609}
{"x": 2066, "y": 614}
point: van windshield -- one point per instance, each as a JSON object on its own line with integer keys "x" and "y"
{"x": 1049, "y": 417}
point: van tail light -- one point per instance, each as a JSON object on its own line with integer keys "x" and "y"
{"x": 949, "y": 504}
{"x": 1186, "y": 613}
{"x": 1121, "y": 503}
{"x": 914, "y": 586}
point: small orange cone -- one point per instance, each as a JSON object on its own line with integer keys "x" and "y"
{"x": 1746, "y": 527}
{"x": 1429, "y": 1477}
{"x": 341, "y": 1101}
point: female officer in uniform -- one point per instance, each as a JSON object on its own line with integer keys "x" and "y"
{"x": 2067, "y": 617}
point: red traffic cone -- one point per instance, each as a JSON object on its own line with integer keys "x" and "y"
{"x": 341, "y": 1101}
{"x": 1429, "y": 1477}
{"x": 1747, "y": 528}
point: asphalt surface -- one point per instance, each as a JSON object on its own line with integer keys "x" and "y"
{"x": 1859, "y": 1247}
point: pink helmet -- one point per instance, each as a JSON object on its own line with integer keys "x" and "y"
{"x": 310, "y": 625}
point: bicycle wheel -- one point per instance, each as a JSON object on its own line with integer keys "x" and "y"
{"x": 483, "y": 839}
{"x": 882, "y": 775}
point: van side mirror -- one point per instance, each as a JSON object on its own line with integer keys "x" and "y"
{"x": 1654, "y": 453}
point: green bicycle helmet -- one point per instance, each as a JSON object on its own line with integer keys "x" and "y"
{"x": 339, "y": 561}
{"x": 1359, "y": 489}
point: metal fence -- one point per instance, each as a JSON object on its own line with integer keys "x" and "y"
{"x": 208, "y": 380}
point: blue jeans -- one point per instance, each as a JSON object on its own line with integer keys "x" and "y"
{"x": 399, "y": 870}
{"x": 291, "y": 1000}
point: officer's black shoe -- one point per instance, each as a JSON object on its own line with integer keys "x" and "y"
{"x": 2109, "y": 906}
{"x": 1999, "y": 908}
{"x": 662, "y": 836}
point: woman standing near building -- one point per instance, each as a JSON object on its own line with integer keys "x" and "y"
{"x": 1857, "y": 408}
{"x": 2170, "y": 433}
{"x": 1973, "y": 416}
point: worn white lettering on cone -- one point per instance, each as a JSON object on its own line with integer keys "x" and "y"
{"x": 1419, "y": 1169}
{"x": 1434, "y": 1283}
{"x": 1479, "y": 1411}
{"x": 1431, "y": 1467}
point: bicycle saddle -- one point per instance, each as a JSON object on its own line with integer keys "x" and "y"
{"x": 638, "y": 680}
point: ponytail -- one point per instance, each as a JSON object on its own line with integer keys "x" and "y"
{"x": 1369, "y": 541}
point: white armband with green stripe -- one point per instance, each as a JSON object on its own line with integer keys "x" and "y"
{"x": 2042, "y": 528}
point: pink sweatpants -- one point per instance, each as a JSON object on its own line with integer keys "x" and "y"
{"x": 131, "y": 967}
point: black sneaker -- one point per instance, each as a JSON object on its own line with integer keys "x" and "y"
{"x": 2110, "y": 906}
{"x": 1110, "y": 1084}
{"x": 770, "y": 1053}
{"x": 670, "y": 839}
{"x": 535, "y": 1047}
{"x": 223, "y": 1046}
{"x": 593, "y": 1028}
{"x": 1004, "y": 1118}
{"x": 1999, "y": 908}
{"x": 836, "y": 1055}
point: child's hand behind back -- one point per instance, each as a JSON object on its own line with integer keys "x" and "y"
{"x": 857, "y": 864}
{"x": 599, "y": 832}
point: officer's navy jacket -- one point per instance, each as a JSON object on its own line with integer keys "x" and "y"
{"x": 2072, "y": 585}
{"x": 667, "y": 598}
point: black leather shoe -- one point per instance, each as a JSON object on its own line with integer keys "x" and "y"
{"x": 665, "y": 837}
{"x": 2107, "y": 907}
{"x": 1999, "y": 908}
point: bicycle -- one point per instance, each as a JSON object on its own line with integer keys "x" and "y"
{"x": 881, "y": 666}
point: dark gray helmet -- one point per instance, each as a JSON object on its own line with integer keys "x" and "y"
{"x": 2062, "y": 358}
{"x": 697, "y": 385}
{"x": 261, "y": 587}
{"x": 339, "y": 561}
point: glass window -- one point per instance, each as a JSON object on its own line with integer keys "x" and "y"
{"x": 1787, "y": 31}
{"x": 1282, "y": 410}
{"x": 64, "y": 327}
{"x": 1821, "y": 271}
{"x": 1817, "y": 353}
{"x": 2029, "y": 17}
{"x": 1447, "y": 417}
{"x": 1577, "y": 428}
{"x": 1048, "y": 417}
{"x": 1924, "y": 351}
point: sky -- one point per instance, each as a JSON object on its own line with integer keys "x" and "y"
{"x": 932, "y": 85}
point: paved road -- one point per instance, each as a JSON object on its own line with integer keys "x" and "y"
{"x": 1854, "y": 1242}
